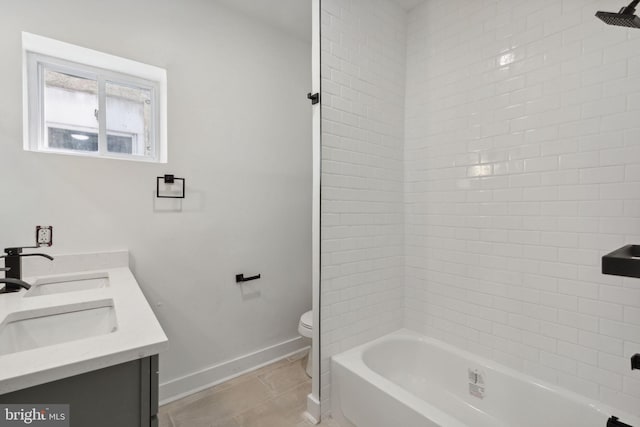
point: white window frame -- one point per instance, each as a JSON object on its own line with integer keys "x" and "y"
{"x": 39, "y": 52}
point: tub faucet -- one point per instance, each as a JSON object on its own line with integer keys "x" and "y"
{"x": 13, "y": 268}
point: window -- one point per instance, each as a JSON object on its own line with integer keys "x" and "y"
{"x": 83, "y": 102}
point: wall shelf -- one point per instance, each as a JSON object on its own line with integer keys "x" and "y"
{"x": 622, "y": 262}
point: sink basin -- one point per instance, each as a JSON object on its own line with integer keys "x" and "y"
{"x": 68, "y": 283}
{"x": 27, "y": 330}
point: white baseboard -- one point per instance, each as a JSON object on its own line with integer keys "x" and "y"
{"x": 313, "y": 409}
{"x": 184, "y": 386}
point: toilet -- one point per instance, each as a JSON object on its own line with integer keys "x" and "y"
{"x": 305, "y": 328}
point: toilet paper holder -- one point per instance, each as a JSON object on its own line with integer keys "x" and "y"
{"x": 240, "y": 278}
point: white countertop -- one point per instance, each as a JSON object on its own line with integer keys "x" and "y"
{"x": 138, "y": 333}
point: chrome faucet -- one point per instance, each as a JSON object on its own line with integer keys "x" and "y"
{"x": 13, "y": 268}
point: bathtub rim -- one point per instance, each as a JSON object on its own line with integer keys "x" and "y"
{"x": 353, "y": 360}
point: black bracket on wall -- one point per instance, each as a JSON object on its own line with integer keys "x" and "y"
{"x": 615, "y": 422}
{"x": 315, "y": 98}
{"x": 169, "y": 179}
{"x": 240, "y": 278}
{"x": 635, "y": 362}
{"x": 622, "y": 262}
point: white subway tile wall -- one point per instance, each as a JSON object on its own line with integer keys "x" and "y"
{"x": 479, "y": 157}
{"x": 522, "y": 168}
{"x": 363, "y": 84}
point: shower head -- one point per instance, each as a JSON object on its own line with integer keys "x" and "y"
{"x": 619, "y": 19}
{"x": 625, "y": 18}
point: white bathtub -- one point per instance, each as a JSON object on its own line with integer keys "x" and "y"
{"x": 407, "y": 380}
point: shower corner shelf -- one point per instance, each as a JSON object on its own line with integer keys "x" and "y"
{"x": 623, "y": 262}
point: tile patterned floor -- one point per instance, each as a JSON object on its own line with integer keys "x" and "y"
{"x": 272, "y": 396}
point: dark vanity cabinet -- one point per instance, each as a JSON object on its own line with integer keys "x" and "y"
{"x": 124, "y": 395}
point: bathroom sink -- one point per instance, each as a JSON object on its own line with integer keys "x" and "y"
{"x": 68, "y": 283}
{"x": 26, "y": 330}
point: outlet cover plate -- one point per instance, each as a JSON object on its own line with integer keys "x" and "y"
{"x": 44, "y": 235}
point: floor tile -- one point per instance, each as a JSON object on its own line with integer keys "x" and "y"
{"x": 285, "y": 410}
{"x": 272, "y": 396}
{"x": 293, "y": 401}
{"x": 222, "y": 403}
{"x": 329, "y": 422}
{"x": 285, "y": 377}
{"x": 206, "y": 422}
{"x": 269, "y": 368}
{"x": 266, "y": 415}
{"x": 163, "y": 419}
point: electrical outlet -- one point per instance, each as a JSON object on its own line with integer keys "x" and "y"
{"x": 44, "y": 235}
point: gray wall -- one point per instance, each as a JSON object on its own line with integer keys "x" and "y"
{"x": 239, "y": 132}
